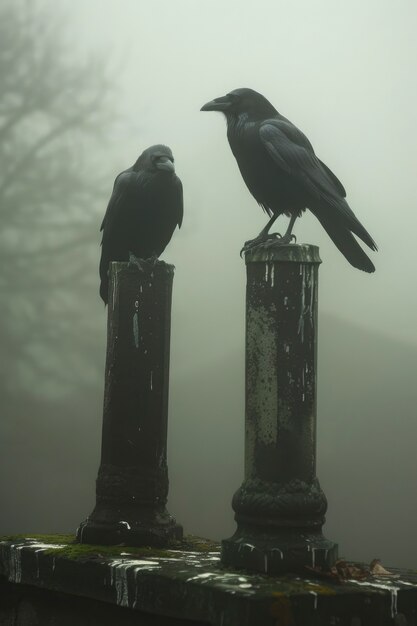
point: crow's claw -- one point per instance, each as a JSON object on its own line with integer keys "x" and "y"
{"x": 134, "y": 261}
{"x": 287, "y": 239}
{"x": 152, "y": 260}
{"x": 266, "y": 241}
{"x": 283, "y": 240}
{"x": 261, "y": 240}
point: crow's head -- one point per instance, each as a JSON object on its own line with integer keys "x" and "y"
{"x": 242, "y": 102}
{"x": 156, "y": 158}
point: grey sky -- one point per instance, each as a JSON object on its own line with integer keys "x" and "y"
{"x": 343, "y": 72}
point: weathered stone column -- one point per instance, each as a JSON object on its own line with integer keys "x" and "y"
{"x": 132, "y": 483}
{"x": 280, "y": 506}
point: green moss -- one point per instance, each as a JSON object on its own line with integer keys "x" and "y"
{"x": 197, "y": 544}
{"x": 292, "y": 586}
{"x": 40, "y": 538}
{"x": 85, "y": 551}
{"x": 73, "y": 550}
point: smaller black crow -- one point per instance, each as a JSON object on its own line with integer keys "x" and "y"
{"x": 144, "y": 209}
{"x": 282, "y": 172}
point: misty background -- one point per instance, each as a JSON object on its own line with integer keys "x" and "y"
{"x": 86, "y": 86}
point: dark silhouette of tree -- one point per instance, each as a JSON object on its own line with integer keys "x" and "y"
{"x": 53, "y": 109}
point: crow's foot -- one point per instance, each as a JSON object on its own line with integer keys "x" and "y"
{"x": 267, "y": 240}
{"x": 134, "y": 261}
{"x": 286, "y": 239}
{"x": 143, "y": 264}
{"x": 152, "y": 260}
{"x": 260, "y": 240}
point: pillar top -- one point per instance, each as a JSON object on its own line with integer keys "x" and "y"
{"x": 147, "y": 267}
{"x": 287, "y": 253}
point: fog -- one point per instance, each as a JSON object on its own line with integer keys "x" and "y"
{"x": 344, "y": 73}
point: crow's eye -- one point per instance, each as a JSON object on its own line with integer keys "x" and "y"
{"x": 234, "y": 100}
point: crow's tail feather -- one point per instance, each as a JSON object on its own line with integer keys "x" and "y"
{"x": 104, "y": 277}
{"x": 104, "y": 288}
{"x": 338, "y": 208}
{"x": 339, "y": 233}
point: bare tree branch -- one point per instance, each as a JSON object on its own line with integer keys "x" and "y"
{"x": 52, "y": 109}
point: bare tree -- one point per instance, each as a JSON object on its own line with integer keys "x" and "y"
{"x": 53, "y": 109}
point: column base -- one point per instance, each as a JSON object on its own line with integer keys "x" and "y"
{"x": 143, "y": 527}
{"x": 279, "y": 552}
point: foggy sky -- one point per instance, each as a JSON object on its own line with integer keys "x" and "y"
{"x": 344, "y": 73}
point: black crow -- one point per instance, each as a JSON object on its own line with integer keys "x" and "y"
{"x": 145, "y": 207}
{"x": 282, "y": 172}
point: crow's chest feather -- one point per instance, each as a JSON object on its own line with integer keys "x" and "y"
{"x": 271, "y": 186}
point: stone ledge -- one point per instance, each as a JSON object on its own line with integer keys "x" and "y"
{"x": 189, "y": 583}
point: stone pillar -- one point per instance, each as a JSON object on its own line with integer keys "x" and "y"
{"x": 132, "y": 483}
{"x": 280, "y": 506}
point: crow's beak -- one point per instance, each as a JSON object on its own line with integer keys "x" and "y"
{"x": 218, "y": 104}
{"x": 165, "y": 163}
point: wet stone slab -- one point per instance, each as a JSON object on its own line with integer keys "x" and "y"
{"x": 187, "y": 582}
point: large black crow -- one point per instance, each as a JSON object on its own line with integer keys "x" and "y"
{"x": 145, "y": 207}
{"x": 281, "y": 171}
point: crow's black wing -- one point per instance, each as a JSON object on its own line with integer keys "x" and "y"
{"x": 334, "y": 178}
{"x": 293, "y": 153}
{"x": 121, "y": 184}
{"x": 295, "y": 135}
{"x": 115, "y": 212}
{"x": 163, "y": 201}
{"x": 178, "y": 201}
